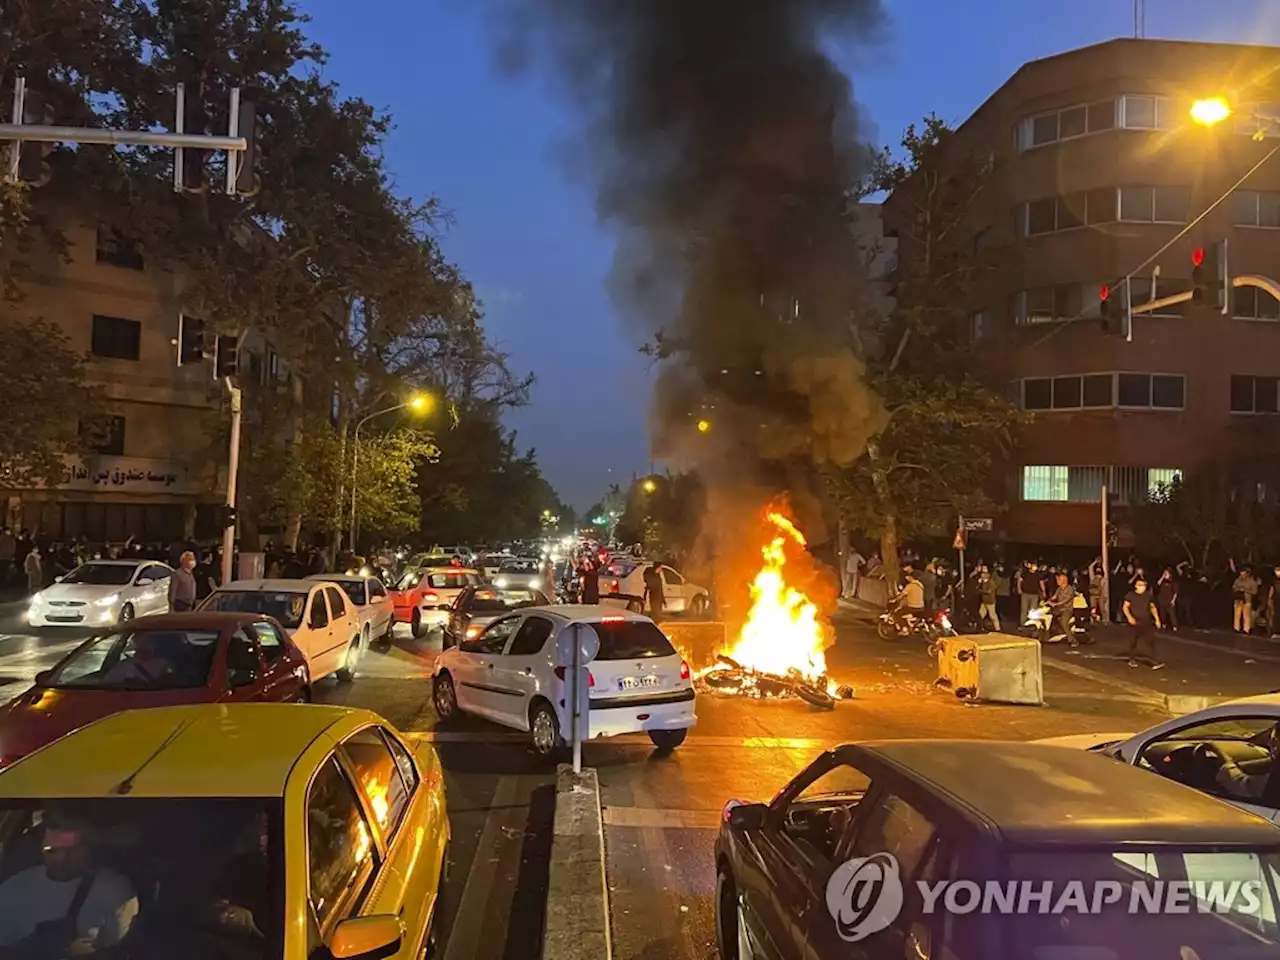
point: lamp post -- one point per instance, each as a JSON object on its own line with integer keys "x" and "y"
{"x": 417, "y": 403}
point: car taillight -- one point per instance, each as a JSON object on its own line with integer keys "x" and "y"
{"x": 591, "y": 679}
{"x": 614, "y": 587}
{"x": 684, "y": 670}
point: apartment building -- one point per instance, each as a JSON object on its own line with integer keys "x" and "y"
{"x": 161, "y": 473}
{"x": 1099, "y": 166}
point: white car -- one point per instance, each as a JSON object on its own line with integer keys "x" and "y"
{"x": 519, "y": 573}
{"x": 1189, "y": 748}
{"x": 103, "y": 592}
{"x": 316, "y": 614}
{"x": 625, "y": 576}
{"x": 508, "y": 675}
{"x": 372, "y": 602}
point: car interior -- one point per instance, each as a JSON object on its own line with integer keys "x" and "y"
{"x": 1194, "y": 756}
{"x": 207, "y": 873}
{"x": 141, "y": 660}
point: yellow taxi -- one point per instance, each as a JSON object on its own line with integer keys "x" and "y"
{"x": 244, "y": 830}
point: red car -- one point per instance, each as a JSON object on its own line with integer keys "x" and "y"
{"x": 161, "y": 661}
{"x": 424, "y": 597}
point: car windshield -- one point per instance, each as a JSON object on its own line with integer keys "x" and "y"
{"x": 619, "y": 570}
{"x": 1230, "y": 908}
{"x": 631, "y": 640}
{"x": 101, "y": 574}
{"x": 287, "y": 606}
{"x": 498, "y": 601}
{"x": 519, "y": 566}
{"x": 139, "y": 660}
{"x": 163, "y": 870}
{"x": 409, "y": 580}
{"x": 446, "y": 581}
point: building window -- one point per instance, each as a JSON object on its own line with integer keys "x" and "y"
{"x": 982, "y": 240}
{"x": 1044, "y": 484}
{"x": 1102, "y": 391}
{"x": 114, "y": 248}
{"x": 980, "y": 326}
{"x": 1254, "y": 303}
{"x": 1154, "y": 204}
{"x": 1142, "y": 112}
{"x": 116, "y": 338}
{"x": 1068, "y": 211}
{"x": 1066, "y": 124}
{"x": 1258, "y": 120}
{"x": 1255, "y": 394}
{"x": 273, "y": 364}
{"x": 1140, "y": 292}
{"x": 112, "y": 445}
{"x": 1253, "y": 209}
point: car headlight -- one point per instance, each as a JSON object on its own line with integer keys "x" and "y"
{"x": 37, "y": 598}
{"x": 473, "y": 632}
{"x": 500, "y": 582}
{"x": 107, "y": 601}
{"x": 535, "y": 584}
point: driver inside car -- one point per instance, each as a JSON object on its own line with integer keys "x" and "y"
{"x": 1248, "y": 780}
{"x": 146, "y": 665}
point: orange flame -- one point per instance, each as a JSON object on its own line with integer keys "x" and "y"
{"x": 784, "y": 631}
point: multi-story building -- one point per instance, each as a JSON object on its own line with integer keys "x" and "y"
{"x": 159, "y": 475}
{"x": 1099, "y": 166}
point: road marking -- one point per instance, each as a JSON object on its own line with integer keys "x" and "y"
{"x": 653, "y": 818}
{"x": 469, "y": 922}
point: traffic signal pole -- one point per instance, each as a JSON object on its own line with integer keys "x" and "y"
{"x": 233, "y": 468}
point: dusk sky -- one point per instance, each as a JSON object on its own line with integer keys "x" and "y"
{"x": 493, "y": 149}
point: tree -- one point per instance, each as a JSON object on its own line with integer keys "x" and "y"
{"x": 946, "y": 428}
{"x": 47, "y": 401}
{"x": 667, "y": 519}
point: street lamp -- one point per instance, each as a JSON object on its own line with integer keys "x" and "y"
{"x": 418, "y": 403}
{"x": 649, "y": 485}
{"x": 1211, "y": 111}
{"x": 704, "y": 426}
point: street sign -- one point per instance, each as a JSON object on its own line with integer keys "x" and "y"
{"x": 982, "y": 524}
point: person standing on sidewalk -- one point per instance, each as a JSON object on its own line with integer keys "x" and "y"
{"x": 853, "y": 562}
{"x": 1140, "y": 611}
{"x": 34, "y": 570}
{"x": 1243, "y": 593}
{"x": 8, "y": 545}
{"x": 1028, "y": 591}
{"x": 1167, "y": 598}
{"x": 987, "y": 598}
{"x": 182, "y": 584}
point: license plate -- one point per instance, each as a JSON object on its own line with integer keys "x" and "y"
{"x": 63, "y": 619}
{"x": 638, "y": 683}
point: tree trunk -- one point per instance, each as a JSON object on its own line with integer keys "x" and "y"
{"x": 293, "y": 523}
{"x": 345, "y": 495}
{"x": 889, "y": 513}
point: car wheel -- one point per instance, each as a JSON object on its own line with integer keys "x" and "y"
{"x": 303, "y": 696}
{"x": 544, "y": 726}
{"x": 126, "y": 613}
{"x": 389, "y": 634}
{"x": 444, "y": 698}
{"x": 699, "y": 607}
{"x": 728, "y": 935}
{"x": 347, "y": 672}
{"x": 415, "y": 625}
{"x": 667, "y": 740}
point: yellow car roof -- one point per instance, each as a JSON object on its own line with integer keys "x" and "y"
{"x": 207, "y": 750}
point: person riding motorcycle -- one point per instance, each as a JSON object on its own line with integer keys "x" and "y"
{"x": 912, "y": 597}
{"x": 1061, "y": 604}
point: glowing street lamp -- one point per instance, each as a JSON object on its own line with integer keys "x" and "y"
{"x": 649, "y": 485}
{"x": 704, "y": 426}
{"x": 1211, "y": 111}
{"x": 418, "y": 403}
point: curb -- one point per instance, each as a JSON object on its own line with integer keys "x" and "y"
{"x": 1174, "y": 704}
{"x": 577, "y": 919}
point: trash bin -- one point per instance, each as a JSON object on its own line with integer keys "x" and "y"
{"x": 993, "y": 667}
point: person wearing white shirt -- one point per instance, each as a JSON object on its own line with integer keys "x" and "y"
{"x": 852, "y": 571}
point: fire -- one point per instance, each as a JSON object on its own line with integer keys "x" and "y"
{"x": 783, "y": 633}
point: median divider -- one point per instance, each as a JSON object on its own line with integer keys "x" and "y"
{"x": 577, "y": 924}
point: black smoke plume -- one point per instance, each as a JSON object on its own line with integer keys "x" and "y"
{"x": 724, "y": 145}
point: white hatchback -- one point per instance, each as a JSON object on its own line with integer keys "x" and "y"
{"x": 103, "y": 592}
{"x": 508, "y": 675}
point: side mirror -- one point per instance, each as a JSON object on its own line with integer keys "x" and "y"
{"x": 145, "y": 581}
{"x": 43, "y": 677}
{"x": 367, "y": 938}
{"x": 746, "y": 816}
{"x": 242, "y": 677}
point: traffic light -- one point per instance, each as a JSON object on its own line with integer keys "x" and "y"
{"x": 247, "y": 181}
{"x": 1114, "y": 312}
{"x": 1210, "y": 278}
{"x": 33, "y": 158}
{"x": 195, "y": 162}
{"x": 227, "y": 516}
{"x": 190, "y": 339}
{"x": 225, "y": 357}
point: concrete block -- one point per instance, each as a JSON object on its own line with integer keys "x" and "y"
{"x": 577, "y": 924}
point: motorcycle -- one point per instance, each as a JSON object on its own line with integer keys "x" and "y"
{"x": 897, "y": 624}
{"x": 1046, "y": 628}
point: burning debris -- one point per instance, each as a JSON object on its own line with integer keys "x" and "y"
{"x": 780, "y": 650}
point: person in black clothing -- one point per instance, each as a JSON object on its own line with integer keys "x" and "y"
{"x": 1140, "y": 611}
{"x": 590, "y": 576}
{"x": 1167, "y": 598}
{"x": 654, "y": 591}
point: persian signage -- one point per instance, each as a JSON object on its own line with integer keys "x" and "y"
{"x": 126, "y": 475}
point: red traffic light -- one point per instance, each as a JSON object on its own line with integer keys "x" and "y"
{"x": 1104, "y": 292}
{"x": 1197, "y": 256}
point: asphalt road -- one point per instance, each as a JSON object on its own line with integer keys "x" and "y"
{"x": 660, "y": 812}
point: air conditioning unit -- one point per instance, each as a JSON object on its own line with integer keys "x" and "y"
{"x": 994, "y": 668}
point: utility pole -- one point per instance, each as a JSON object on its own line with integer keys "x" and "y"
{"x": 1106, "y": 560}
{"x": 233, "y": 467}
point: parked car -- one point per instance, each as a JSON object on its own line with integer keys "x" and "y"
{"x": 424, "y": 597}
{"x": 625, "y": 576}
{"x": 101, "y": 592}
{"x": 316, "y": 614}
{"x": 520, "y": 573}
{"x": 372, "y": 603}
{"x": 157, "y": 661}
{"x": 477, "y": 607}
{"x": 796, "y": 876}
{"x": 240, "y": 830}
{"x": 1191, "y": 749}
{"x": 508, "y": 675}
